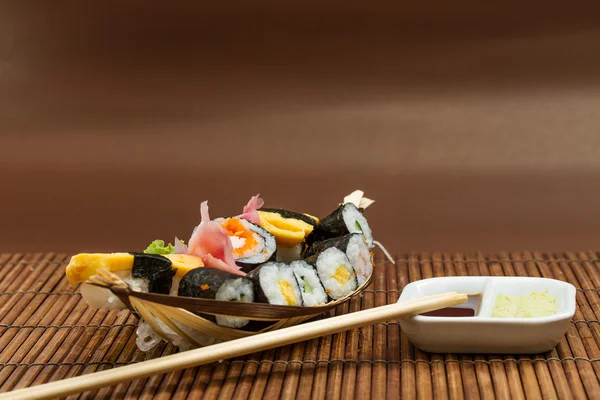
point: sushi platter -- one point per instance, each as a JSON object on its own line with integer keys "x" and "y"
{"x": 262, "y": 270}
{"x": 251, "y": 282}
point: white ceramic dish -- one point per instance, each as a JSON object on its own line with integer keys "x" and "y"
{"x": 483, "y": 333}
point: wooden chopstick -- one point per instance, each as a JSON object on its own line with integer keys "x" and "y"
{"x": 237, "y": 347}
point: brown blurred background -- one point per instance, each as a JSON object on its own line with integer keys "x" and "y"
{"x": 475, "y": 125}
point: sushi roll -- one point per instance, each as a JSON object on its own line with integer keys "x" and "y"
{"x": 288, "y": 215}
{"x": 355, "y": 247}
{"x": 346, "y": 219}
{"x": 289, "y": 228}
{"x": 143, "y": 272}
{"x": 252, "y": 244}
{"x": 216, "y": 284}
{"x": 156, "y": 270}
{"x": 335, "y": 272}
{"x": 313, "y": 293}
{"x": 275, "y": 283}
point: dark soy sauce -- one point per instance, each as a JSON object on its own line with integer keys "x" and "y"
{"x": 469, "y": 309}
{"x": 451, "y": 312}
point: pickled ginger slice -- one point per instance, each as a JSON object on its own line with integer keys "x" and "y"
{"x": 211, "y": 243}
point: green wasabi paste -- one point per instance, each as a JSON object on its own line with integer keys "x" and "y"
{"x": 537, "y": 304}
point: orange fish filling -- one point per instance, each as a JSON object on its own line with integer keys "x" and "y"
{"x": 234, "y": 227}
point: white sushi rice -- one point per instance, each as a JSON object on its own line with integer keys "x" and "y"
{"x": 234, "y": 290}
{"x": 360, "y": 257}
{"x": 103, "y": 299}
{"x": 100, "y": 298}
{"x": 306, "y": 273}
{"x": 357, "y": 223}
{"x": 327, "y": 263}
{"x": 288, "y": 254}
{"x": 269, "y": 276}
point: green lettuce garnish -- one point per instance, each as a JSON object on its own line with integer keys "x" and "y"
{"x": 158, "y": 247}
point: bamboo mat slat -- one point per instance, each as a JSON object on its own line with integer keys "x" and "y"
{"x": 47, "y": 333}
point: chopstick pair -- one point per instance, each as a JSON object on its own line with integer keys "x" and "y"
{"x": 238, "y": 347}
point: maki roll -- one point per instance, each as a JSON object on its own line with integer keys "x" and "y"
{"x": 252, "y": 244}
{"x": 290, "y": 230}
{"x": 216, "y": 284}
{"x": 355, "y": 247}
{"x": 275, "y": 283}
{"x": 313, "y": 293}
{"x": 335, "y": 272}
{"x": 347, "y": 218}
{"x": 293, "y": 217}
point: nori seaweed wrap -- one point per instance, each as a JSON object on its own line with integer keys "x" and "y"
{"x": 275, "y": 283}
{"x": 156, "y": 269}
{"x": 216, "y": 284}
{"x": 290, "y": 215}
{"x": 356, "y": 249}
{"x": 345, "y": 219}
{"x": 252, "y": 244}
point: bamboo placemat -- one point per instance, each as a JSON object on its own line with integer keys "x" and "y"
{"x": 48, "y": 333}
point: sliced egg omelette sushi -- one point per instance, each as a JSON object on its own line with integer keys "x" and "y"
{"x": 252, "y": 244}
{"x": 290, "y": 230}
{"x": 355, "y": 247}
{"x": 216, "y": 284}
{"x": 275, "y": 283}
{"x": 313, "y": 293}
{"x": 143, "y": 272}
{"x": 335, "y": 272}
{"x": 345, "y": 219}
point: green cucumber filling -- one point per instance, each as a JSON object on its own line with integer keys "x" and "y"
{"x": 236, "y": 299}
{"x": 307, "y": 287}
{"x": 358, "y": 226}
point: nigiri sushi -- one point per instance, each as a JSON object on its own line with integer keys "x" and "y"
{"x": 143, "y": 272}
{"x": 289, "y": 228}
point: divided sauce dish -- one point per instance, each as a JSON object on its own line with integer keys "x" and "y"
{"x": 471, "y": 327}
